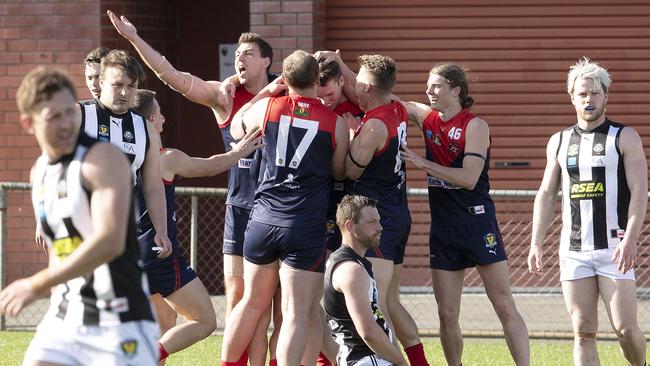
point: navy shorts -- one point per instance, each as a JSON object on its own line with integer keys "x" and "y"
{"x": 457, "y": 247}
{"x": 168, "y": 275}
{"x": 392, "y": 244}
{"x": 233, "y": 230}
{"x": 334, "y": 237}
{"x": 298, "y": 247}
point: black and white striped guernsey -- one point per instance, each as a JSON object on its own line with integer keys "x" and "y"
{"x": 595, "y": 194}
{"x": 127, "y": 131}
{"x": 113, "y": 293}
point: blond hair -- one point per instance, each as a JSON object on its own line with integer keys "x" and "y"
{"x": 585, "y": 69}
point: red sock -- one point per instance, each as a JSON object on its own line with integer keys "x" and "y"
{"x": 162, "y": 352}
{"x": 273, "y": 362}
{"x": 415, "y": 355}
{"x": 243, "y": 360}
{"x": 322, "y": 360}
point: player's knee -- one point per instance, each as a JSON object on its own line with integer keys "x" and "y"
{"x": 506, "y": 310}
{"x": 448, "y": 314}
{"x": 585, "y": 336}
{"x": 627, "y": 331}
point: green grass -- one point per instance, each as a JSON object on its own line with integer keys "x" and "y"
{"x": 493, "y": 352}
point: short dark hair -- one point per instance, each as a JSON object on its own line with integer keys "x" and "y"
{"x": 328, "y": 71}
{"x": 95, "y": 56}
{"x": 300, "y": 70}
{"x": 122, "y": 60}
{"x": 143, "y": 102}
{"x": 382, "y": 68}
{"x": 39, "y": 85}
{"x": 456, "y": 77}
{"x": 350, "y": 208}
{"x": 265, "y": 48}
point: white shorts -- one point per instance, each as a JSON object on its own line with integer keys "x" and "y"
{"x": 370, "y": 361}
{"x": 577, "y": 265}
{"x": 131, "y": 343}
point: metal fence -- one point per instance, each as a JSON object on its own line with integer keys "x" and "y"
{"x": 200, "y": 213}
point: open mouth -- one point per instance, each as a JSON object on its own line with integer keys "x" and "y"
{"x": 590, "y": 108}
{"x": 241, "y": 69}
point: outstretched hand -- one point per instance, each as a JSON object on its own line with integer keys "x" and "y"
{"x": 226, "y": 93}
{"x": 328, "y": 56}
{"x": 410, "y": 156}
{"x": 125, "y": 28}
{"x": 250, "y": 142}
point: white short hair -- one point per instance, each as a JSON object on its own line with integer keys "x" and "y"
{"x": 585, "y": 69}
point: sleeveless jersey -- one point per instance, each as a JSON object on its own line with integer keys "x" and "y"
{"x": 445, "y": 144}
{"x": 145, "y": 226}
{"x": 241, "y": 184}
{"x": 352, "y": 348}
{"x": 295, "y": 176}
{"x": 384, "y": 179}
{"x": 128, "y": 131}
{"x": 113, "y": 293}
{"x": 350, "y": 107}
{"x": 595, "y": 194}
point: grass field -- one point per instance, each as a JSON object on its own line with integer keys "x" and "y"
{"x": 493, "y": 352}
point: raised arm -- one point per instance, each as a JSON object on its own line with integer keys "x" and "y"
{"x": 544, "y": 206}
{"x": 353, "y": 281}
{"x": 417, "y": 112}
{"x": 341, "y": 149}
{"x": 477, "y": 141}
{"x": 110, "y": 207}
{"x": 636, "y": 173}
{"x": 190, "y": 86}
{"x": 154, "y": 192}
{"x": 371, "y": 138}
{"x": 350, "y": 77}
{"x": 175, "y": 162}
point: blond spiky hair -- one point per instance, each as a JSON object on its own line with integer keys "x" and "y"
{"x": 585, "y": 69}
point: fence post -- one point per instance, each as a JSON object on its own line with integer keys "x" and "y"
{"x": 194, "y": 222}
{"x": 3, "y": 239}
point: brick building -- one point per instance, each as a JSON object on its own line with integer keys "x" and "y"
{"x": 519, "y": 52}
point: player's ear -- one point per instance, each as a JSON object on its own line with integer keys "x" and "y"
{"x": 341, "y": 80}
{"x": 27, "y": 123}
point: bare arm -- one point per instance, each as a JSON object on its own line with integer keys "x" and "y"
{"x": 342, "y": 142}
{"x": 192, "y": 87}
{"x": 417, "y": 112}
{"x": 544, "y": 206}
{"x": 175, "y": 162}
{"x": 154, "y": 192}
{"x": 353, "y": 281}
{"x": 477, "y": 140}
{"x": 636, "y": 173}
{"x": 350, "y": 77}
{"x": 252, "y": 116}
{"x": 109, "y": 209}
{"x": 371, "y": 138}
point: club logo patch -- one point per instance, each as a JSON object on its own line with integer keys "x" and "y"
{"x": 490, "y": 240}
{"x": 129, "y": 347}
{"x": 128, "y": 136}
{"x": 598, "y": 148}
{"x": 573, "y": 150}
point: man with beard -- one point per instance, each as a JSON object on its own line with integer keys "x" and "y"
{"x": 253, "y": 60}
{"x": 601, "y": 167}
{"x": 464, "y": 230}
{"x": 350, "y": 294}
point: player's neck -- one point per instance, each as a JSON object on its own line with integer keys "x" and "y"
{"x": 307, "y": 93}
{"x": 449, "y": 112}
{"x": 589, "y": 126}
{"x": 375, "y": 102}
{"x": 254, "y": 86}
{"x": 341, "y": 100}
{"x": 356, "y": 247}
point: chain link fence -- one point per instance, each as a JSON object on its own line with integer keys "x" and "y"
{"x": 200, "y": 213}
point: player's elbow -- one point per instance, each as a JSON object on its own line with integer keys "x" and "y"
{"x": 370, "y": 336}
{"x": 111, "y": 246}
{"x": 469, "y": 184}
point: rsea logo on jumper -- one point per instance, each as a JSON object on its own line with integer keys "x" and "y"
{"x": 593, "y": 189}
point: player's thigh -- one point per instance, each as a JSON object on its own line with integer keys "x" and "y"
{"x": 301, "y": 290}
{"x": 619, "y": 297}
{"x": 581, "y": 299}
{"x": 193, "y": 302}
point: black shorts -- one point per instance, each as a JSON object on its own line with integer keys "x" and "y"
{"x": 168, "y": 275}
{"x": 457, "y": 247}
{"x": 392, "y": 244}
{"x": 234, "y": 227}
{"x": 298, "y": 247}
